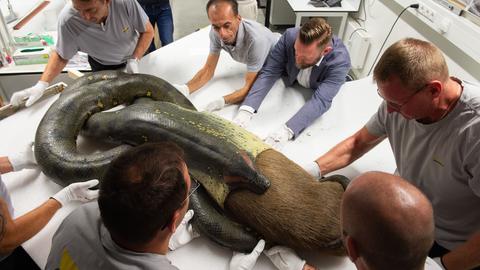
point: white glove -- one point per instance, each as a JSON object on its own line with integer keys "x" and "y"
{"x": 33, "y": 94}
{"x": 243, "y": 118}
{"x": 242, "y": 261}
{"x": 313, "y": 169}
{"x": 77, "y": 192}
{"x": 184, "y": 232}
{"x": 215, "y": 105}
{"x": 23, "y": 159}
{"x": 132, "y": 66}
{"x": 284, "y": 258}
{"x": 183, "y": 88}
{"x": 278, "y": 138}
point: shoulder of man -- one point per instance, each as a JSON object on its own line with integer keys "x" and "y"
{"x": 255, "y": 30}
{"x": 67, "y": 13}
{"x": 85, "y": 213}
{"x": 291, "y": 34}
{"x": 471, "y": 95}
{"x": 124, "y": 4}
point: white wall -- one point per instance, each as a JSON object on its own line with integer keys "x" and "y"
{"x": 380, "y": 16}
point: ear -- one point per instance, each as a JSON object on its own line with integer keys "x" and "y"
{"x": 176, "y": 219}
{"x": 351, "y": 247}
{"x": 435, "y": 88}
{"x": 327, "y": 50}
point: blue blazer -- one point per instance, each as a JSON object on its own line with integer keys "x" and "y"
{"x": 325, "y": 79}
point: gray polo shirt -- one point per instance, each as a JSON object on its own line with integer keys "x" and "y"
{"x": 252, "y": 46}
{"x": 83, "y": 240}
{"x": 442, "y": 160}
{"x": 110, "y": 44}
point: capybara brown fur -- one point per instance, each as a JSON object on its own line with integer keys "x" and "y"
{"x": 296, "y": 211}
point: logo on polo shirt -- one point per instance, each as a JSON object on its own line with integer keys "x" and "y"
{"x": 438, "y": 161}
{"x": 125, "y": 29}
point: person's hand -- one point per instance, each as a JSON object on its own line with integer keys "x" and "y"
{"x": 182, "y": 88}
{"x": 33, "y": 94}
{"x": 279, "y": 137}
{"x": 184, "y": 232}
{"x": 77, "y": 192}
{"x": 284, "y": 258}
{"x": 242, "y": 261}
{"x": 313, "y": 169}
{"x": 24, "y": 158}
{"x": 215, "y": 105}
{"x": 243, "y": 118}
{"x": 132, "y": 66}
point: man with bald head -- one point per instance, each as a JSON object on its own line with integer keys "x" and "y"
{"x": 387, "y": 223}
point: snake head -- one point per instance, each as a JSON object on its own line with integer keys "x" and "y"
{"x": 245, "y": 175}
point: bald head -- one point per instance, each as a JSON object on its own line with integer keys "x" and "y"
{"x": 387, "y": 221}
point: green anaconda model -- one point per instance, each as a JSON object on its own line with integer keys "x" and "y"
{"x": 249, "y": 191}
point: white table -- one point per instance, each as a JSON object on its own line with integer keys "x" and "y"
{"x": 178, "y": 62}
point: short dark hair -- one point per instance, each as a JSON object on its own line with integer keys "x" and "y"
{"x": 232, "y": 3}
{"x": 316, "y": 29}
{"x": 141, "y": 190}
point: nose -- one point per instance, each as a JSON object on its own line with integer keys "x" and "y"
{"x": 85, "y": 15}
{"x": 222, "y": 32}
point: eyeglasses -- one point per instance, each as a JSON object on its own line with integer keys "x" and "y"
{"x": 398, "y": 107}
{"x": 194, "y": 186}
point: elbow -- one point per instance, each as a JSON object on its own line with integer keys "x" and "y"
{"x": 150, "y": 34}
{"x": 149, "y": 31}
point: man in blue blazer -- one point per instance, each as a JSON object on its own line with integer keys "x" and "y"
{"x": 315, "y": 59}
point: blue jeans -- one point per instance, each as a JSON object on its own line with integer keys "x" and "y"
{"x": 161, "y": 14}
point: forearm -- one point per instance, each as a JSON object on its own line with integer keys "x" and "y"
{"x": 466, "y": 256}
{"x": 5, "y": 165}
{"x": 347, "y": 151}
{"x": 338, "y": 157}
{"x": 200, "y": 79}
{"x": 26, "y": 226}
{"x": 54, "y": 66}
{"x": 237, "y": 96}
{"x": 143, "y": 42}
{"x": 240, "y": 94}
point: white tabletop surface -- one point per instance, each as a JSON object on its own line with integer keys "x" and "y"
{"x": 178, "y": 62}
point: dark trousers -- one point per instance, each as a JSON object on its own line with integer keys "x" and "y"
{"x": 18, "y": 260}
{"x": 96, "y": 66}
{"x": 160, "y": 14}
